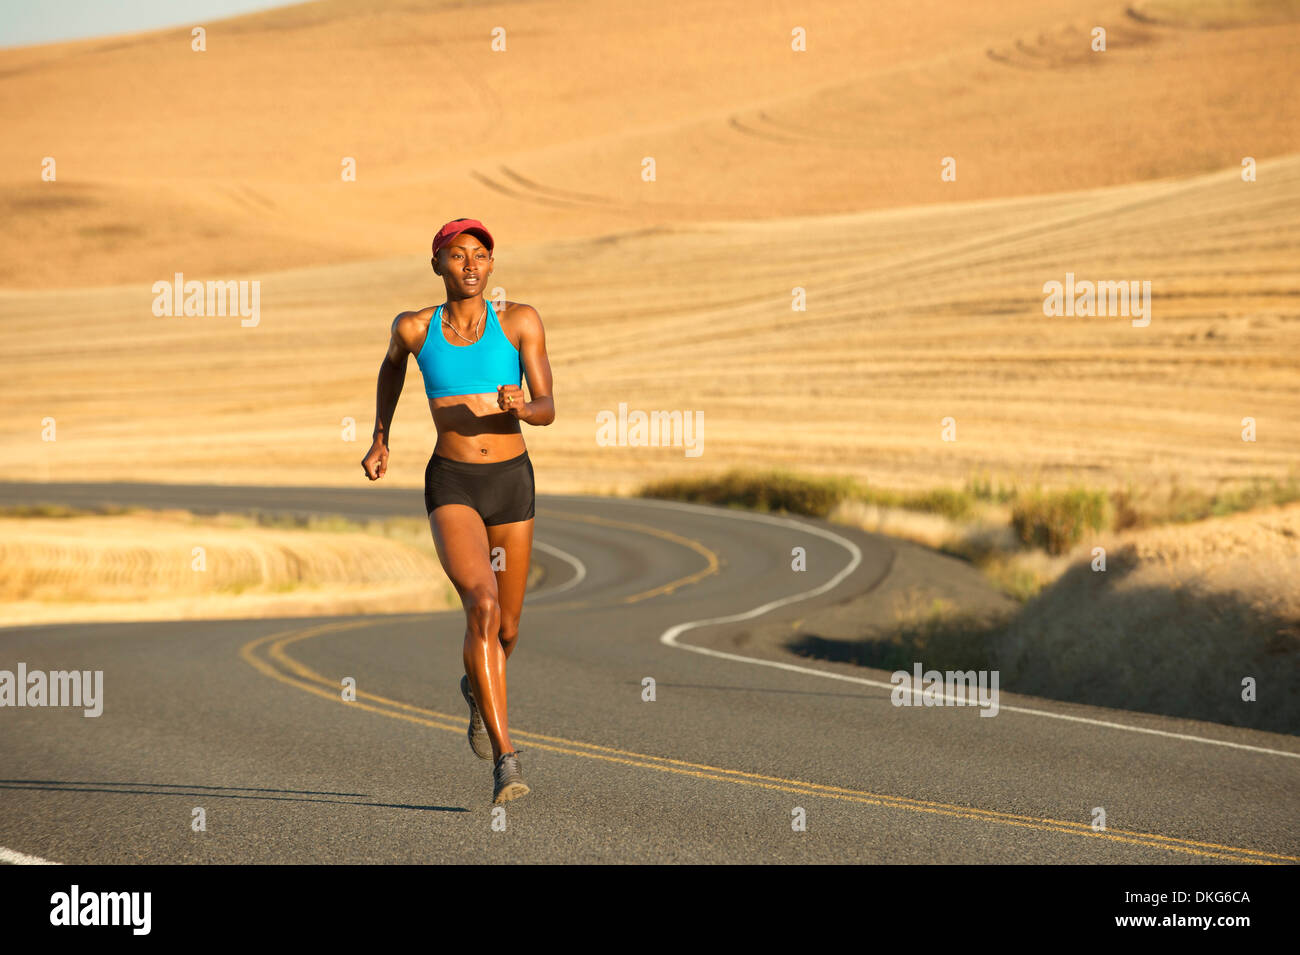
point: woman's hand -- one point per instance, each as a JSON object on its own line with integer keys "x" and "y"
{"x": 375, "y": 464}
{"x": 511, "y": 399}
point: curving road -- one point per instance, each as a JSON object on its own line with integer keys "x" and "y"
{"x": 244, "y": 719}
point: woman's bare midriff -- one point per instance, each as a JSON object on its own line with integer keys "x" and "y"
{"x": 474, "y": 428}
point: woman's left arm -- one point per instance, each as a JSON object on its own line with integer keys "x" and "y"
{"x": 537, "y": 367}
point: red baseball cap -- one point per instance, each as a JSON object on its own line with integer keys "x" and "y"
{"x": 455, "y": 227}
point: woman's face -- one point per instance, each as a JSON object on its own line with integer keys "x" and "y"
{"x": 464, "y": 264}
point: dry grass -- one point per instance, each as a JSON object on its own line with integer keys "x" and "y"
{"x": 1180, "y": 617}
{"x": 1021, "y": 537}
{"x": 144, "y": 566}
{"x": 228, "y": 161}
{"x": 1220, "y": 14}
{"x": 893, "y": 342}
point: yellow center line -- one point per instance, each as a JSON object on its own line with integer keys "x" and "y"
{"x": 308, "y": 679}
{"x": 712, "y": 561}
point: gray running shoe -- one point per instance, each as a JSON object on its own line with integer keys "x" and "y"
{"x": 509, "y": 782}
{"x": 479, "y": 741}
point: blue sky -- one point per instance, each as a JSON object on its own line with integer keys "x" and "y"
{"x": 23, "y": 22}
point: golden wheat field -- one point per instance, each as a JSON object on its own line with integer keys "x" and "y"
{"x": 168, "y": 566}
{"x": 777, "y": 174}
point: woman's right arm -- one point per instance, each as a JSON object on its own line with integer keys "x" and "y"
{"x": 392, "y": 375}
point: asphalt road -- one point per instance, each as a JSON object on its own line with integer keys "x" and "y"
{"x": 245, "y": 720}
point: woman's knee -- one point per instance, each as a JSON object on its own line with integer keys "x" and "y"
{"x": 483, "y": 610}
{"x": 509, "y": 628}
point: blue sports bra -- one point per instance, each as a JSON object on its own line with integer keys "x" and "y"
{"x": 474, "y": 369}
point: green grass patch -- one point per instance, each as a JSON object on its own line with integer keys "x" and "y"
{"x": 1052, "y": 521}
{"x": 786, "y": 491}
{"x": 777, "y": 490}
{"x": 1185, "y": 505}
{"x": 1055, "y": 521}
{"x": 62, "y": 511}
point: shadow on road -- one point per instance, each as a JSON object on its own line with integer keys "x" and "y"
{"x": 209, "y": 792}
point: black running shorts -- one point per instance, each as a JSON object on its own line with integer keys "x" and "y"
{"x": 501, "y": 491}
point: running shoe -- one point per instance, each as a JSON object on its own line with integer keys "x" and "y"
{"x": 509, "y": 782}
{"x": 479, "y": 741}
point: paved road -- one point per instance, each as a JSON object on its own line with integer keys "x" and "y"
{"x": 244, "y": 719}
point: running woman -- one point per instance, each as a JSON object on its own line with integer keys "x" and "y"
{"x": 478, "y": 486}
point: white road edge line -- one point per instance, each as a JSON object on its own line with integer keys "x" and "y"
{"x": 579, "y": 568}
{"x": 669, "y": 636}
{"x": 11, "y": 857}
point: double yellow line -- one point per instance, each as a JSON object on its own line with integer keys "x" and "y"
{"x": 268, "y": 655}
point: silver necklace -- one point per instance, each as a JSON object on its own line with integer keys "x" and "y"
{"x": 458, "y": 334}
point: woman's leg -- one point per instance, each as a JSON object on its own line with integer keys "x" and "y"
{"x": 462, "y": 542}
{"x": 516, "y": 542}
